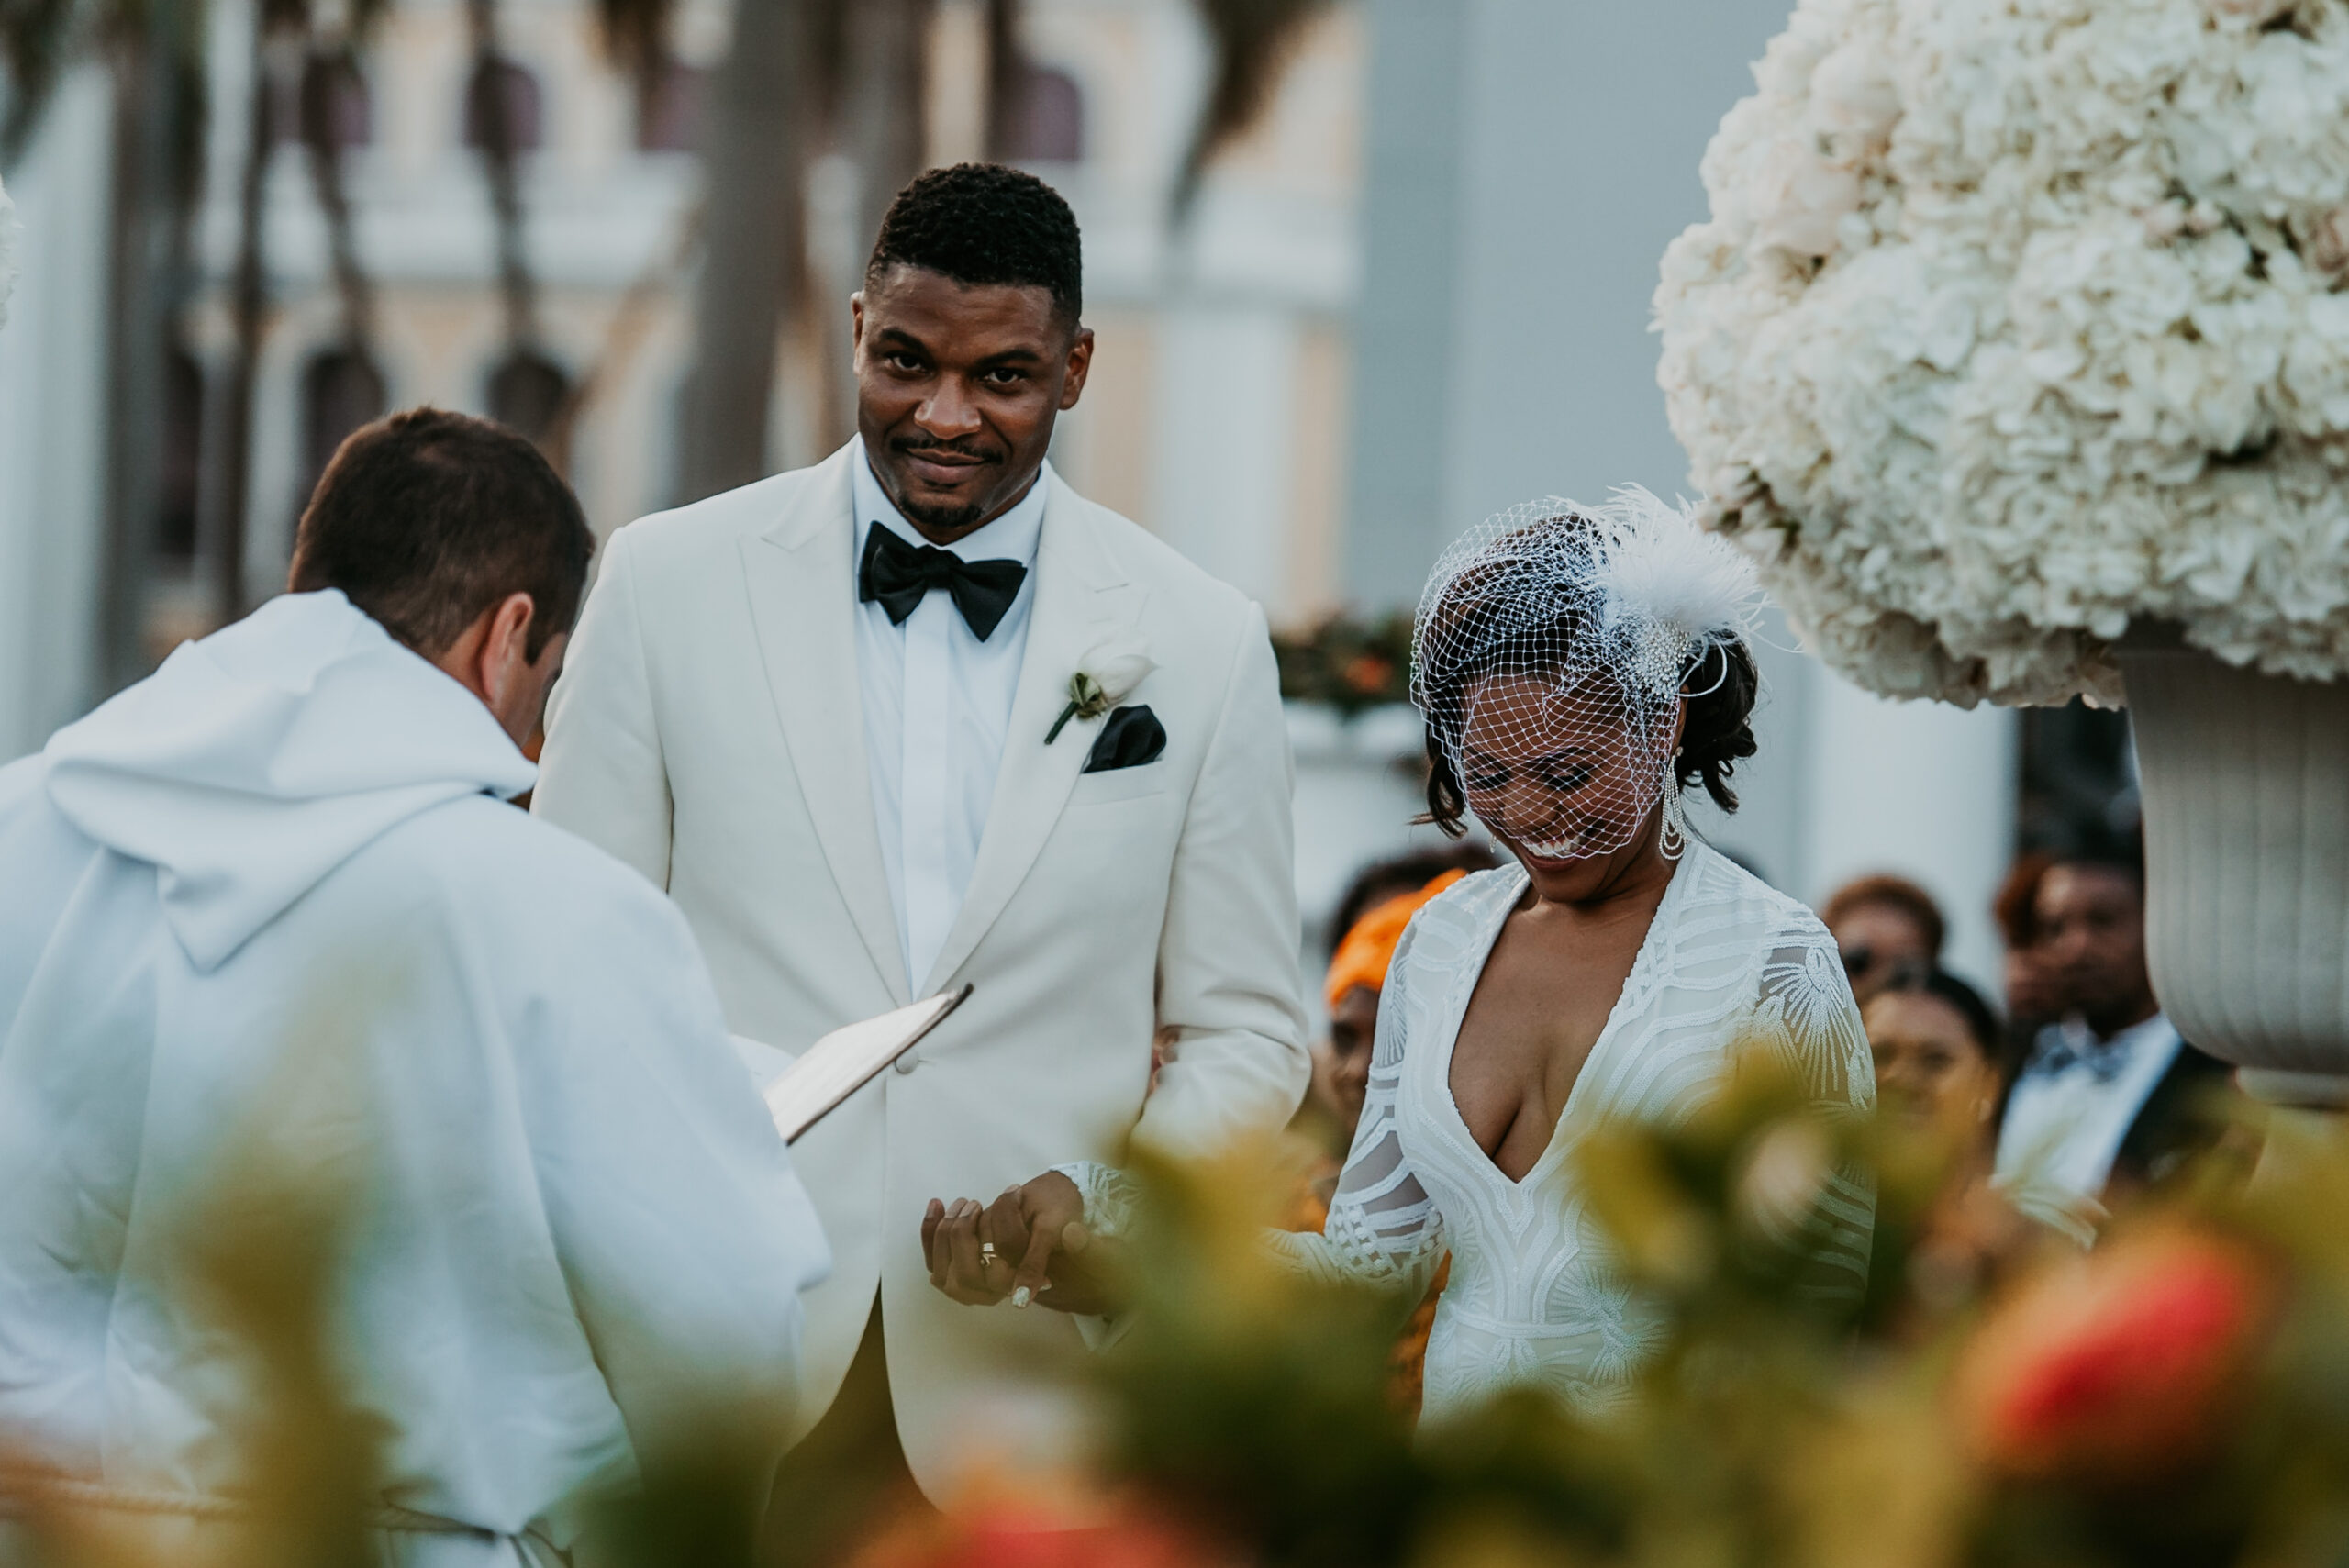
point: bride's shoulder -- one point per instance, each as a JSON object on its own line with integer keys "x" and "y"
{"x": 1461, "y": 918}
{"x": 1752, "y": 905}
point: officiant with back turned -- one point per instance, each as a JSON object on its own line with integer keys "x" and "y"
{"x": 921, "y": 715}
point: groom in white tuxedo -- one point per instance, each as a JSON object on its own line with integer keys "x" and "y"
{"x": 921, "y": 715}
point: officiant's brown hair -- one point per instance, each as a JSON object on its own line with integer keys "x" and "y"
{"x": 426, "y": 518}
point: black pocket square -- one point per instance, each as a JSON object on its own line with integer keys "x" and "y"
{"x": 1130, "y": 738}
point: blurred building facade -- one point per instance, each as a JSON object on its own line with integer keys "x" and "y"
{"x": 1415, "y": 293}
{"x": 1216, "y": 412}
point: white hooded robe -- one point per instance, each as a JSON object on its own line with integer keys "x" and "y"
{"x": 270, "y": 905}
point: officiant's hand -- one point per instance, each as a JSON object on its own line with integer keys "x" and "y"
{"x": 1030, "y": 1245}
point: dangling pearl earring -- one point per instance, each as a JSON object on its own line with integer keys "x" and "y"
{"x": 1673, "y": 839}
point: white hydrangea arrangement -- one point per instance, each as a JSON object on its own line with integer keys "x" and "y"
{"x": 2018, "y": 319}
{"x": 7, "y": 252}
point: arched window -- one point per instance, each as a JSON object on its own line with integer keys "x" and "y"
{"x": 334, "y": 90}
{"x": 182, "y": 456}
{"x": 668, "y": 109}
{"x": 1049, "y": 127}
{"x": 501, "y": 87}
{"x": 341, "y": 390}
{"x": 526, "y": 392}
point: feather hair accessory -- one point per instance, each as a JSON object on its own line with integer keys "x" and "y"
{"x": 1669, "y": 582}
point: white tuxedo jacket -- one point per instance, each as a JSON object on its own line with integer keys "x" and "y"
{"x": 708, "y": 730}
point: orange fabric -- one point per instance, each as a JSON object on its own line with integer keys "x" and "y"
{"x": 1369, "y": 947}
{"x": 1309, "y": 1204}
{"x": 1408, "y": 1362}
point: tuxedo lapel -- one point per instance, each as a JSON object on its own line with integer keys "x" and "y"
{"x": 802, "y": 601}
{"x": 1083, "y": 604}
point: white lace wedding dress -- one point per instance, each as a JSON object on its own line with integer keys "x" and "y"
{"x": 1532, "y": 1300}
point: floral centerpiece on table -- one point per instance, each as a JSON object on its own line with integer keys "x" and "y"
{"x": 2017, "y": 320}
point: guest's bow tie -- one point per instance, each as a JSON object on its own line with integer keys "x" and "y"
{"x": 2072, "y": 1044}
{"x": 899, "y": 574}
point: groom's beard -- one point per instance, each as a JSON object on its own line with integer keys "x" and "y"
{"x": 950, "y": 519}
{"x": 944, "y": 519}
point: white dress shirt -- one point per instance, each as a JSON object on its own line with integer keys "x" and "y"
{"x": 937, "y": 704}
{"x": 2065, "y": 1124}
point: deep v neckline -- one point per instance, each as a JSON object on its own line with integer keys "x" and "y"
{"x": 1633, "y": 983}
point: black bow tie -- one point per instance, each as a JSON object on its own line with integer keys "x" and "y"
{"x": 900, "y": 575}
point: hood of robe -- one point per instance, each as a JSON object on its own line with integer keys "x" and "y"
{"x": 257, "y": 761}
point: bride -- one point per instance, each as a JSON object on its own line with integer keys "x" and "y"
{"x": 1578, "y": 669}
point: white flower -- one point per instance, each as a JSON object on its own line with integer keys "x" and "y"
{"x": 7, "y": 252}
{"x": 1115, "y": 675}
{"x": 1103, "y": 678}
{"x": 2324, "y": 245}
{"x": 1854, "y": 103}
{"x": 2016, "y": 321}
{"x": 1803, "y": 198}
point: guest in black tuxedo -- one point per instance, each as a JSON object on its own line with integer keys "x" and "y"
{"x": 2109, "y": 1097}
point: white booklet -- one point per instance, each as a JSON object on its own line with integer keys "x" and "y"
{"x": 802, "y": 1090}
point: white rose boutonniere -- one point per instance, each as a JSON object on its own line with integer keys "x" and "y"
{"x": 1102, "y": 680}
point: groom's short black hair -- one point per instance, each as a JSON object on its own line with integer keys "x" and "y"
{"x": 426, "y": 518}
{"x": 983, "y": 223}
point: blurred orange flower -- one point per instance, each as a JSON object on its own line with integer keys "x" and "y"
{"x": 2118, "y": 1367}
{"x": 1368, "y": 674}
{"x": 1016, "y": 1534}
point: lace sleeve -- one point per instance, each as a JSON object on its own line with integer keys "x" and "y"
{"x": 1383, "y": 1228}
{"x": 1805, "y": 1010}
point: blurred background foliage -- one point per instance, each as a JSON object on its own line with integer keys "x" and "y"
{"x": 1350, "y": 663}
{"x": 2178, "y": 1396}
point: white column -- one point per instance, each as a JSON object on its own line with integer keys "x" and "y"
{"x": 1922, "y": 790}
{"x": 52, "y": 421}
{"x": 1221, "y": 463}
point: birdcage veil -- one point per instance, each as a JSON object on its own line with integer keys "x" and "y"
{"x": 1553, "y": 649}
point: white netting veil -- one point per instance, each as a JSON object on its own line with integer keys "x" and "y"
{"x": 1553, "y": 649}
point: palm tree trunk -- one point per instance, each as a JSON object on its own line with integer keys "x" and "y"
{"x": 139, "y": 309}
{"x": 494, "y": 104}
{"x": 1006, "y": 79}
{"x": 754, "y": 154}
{"x": 322, "y": 138}
{"x": 228, "y": 468}
{"x": 885, "y": 132}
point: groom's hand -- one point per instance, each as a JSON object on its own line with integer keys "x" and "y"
{"x": 1042, "y": 1224}
{"x": 1030, "y": 1245}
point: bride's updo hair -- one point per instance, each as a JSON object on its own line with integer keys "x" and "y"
{"x": 1719, "y": 733}
{"x": 1617, "y": 615}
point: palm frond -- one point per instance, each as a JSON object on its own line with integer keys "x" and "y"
{"x": 635, "y": 34}
{"x": 1252, "y": 42}
{"x": 35, "y": 39}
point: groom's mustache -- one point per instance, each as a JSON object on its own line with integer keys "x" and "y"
{"x": 973, "y": 450}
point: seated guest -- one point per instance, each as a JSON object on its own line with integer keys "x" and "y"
{"x": 1941, "y": 1073}
{"x": 1939, "y": 1063}
{"x": 270, "y": 916}
{"x": 2031, "y": 998}
{"x": 2108, "y": 1092}
{"x": 1881, "y": 924}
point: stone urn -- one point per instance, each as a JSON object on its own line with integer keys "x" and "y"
{"x": 2246, "y": 782}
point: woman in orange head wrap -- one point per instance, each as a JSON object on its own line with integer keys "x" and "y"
{"x": 1357, "y": 976}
